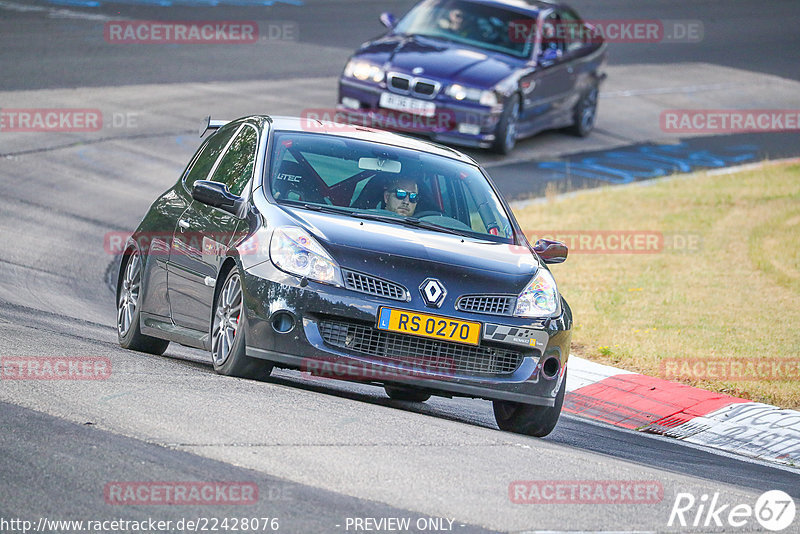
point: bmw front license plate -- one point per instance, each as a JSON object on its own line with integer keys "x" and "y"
{"x": 410, "y": 105}
{"x": 434, "y": 326}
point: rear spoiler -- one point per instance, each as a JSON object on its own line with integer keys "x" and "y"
{"x": 209, "y": 124}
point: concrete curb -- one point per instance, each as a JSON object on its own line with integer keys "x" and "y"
{"x": 694, "y": 415}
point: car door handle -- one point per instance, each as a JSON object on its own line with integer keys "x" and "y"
{"x": 183, "y": 224}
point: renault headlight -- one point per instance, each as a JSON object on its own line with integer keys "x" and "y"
{"x": 484, "y": 97}
{"x": 364, "y": 71}
{"x": 539, "y": 298}
{"x": 293, "y": 250}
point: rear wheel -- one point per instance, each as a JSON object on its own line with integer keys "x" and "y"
{"x": 128, "y": 295}
{"x": 405, "y": 394}
{"x": 228, "y": 334}
{"x": 528, "y": 419}
{"x": 505, "y": 137}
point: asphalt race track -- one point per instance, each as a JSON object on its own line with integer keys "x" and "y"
{"x": 319, "y": 451}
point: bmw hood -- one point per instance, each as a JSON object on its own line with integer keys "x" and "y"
{"x": 441, "y": 60}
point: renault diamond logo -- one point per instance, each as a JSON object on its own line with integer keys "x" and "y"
{"x": 433, "y": 292}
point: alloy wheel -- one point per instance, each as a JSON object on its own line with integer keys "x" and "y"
{"x": 129, "y": 294}
{"x": 226, "y": 319}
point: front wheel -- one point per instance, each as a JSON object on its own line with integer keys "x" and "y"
{"x": 228, "y": 334}
{"x": 585, "y": 113}
{"x": 537, "y": 421}
{"x": 505, "y": 136}
{"x": 129, "y": 289}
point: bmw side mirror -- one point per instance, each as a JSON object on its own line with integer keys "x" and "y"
{"x": 551, "y": 251}
{"x": 388, "y": 20}
{"x": 217, "y": 195}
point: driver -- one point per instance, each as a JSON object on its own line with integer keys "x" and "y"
{"x": 400, "y": 196}
{"x": 454, "y": 23}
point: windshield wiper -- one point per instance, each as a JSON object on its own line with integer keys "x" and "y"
{"x": 436, "y": 227}
{"x": 406, "y": 221}
{"x": 321, "y": 207}
{"x": 409, "y": 221}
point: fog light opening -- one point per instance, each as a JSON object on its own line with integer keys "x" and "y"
{"x": 282, "y": 322}
{"x": 550, "y": 367}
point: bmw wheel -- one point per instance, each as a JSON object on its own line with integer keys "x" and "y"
{"x": 585, "y": 113}
{"x": 129, "y": 287}
{"x": 528, "y": 419}
{"x": 506, "y": 132}
{"x": 228, "y": 333}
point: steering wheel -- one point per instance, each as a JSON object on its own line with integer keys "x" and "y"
{"x": 428, "y": 213}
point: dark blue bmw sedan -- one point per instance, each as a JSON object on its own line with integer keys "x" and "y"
{"x": 480, "y": 73}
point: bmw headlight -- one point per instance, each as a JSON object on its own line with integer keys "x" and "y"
{"x": 539, "y": 298}
{"x": 364, "y": 71}
{"x": 460, "y": 92}
{"x": 293, "y": 250}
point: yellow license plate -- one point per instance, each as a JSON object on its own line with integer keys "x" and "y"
{"x": 435, "y": 326}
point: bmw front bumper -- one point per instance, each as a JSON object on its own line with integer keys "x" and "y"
{"x": 459, "y": 123}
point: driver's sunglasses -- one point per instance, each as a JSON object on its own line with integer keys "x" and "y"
{"x": 401, "y": 194}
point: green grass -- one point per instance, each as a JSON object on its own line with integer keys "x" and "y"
{"x": 734, "y": 296}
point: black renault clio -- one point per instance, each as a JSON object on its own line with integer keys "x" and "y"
{"x": 355, "y": 254}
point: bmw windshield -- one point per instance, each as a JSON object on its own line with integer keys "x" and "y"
{"x": 387, "y": 183}
{"x": 487, "y": 27}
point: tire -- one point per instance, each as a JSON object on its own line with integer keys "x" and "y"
{"x": 585, "y": 113}
{"x": 537, "y": 421}
{"x": 405, "y": 394}
{"x": 228, "y": 326}
{"x": 129, "y": 287}
{"x": 506, "y": 132}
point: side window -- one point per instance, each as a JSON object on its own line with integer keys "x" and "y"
{"x": 208, "y": 155}
{"x": 236, "y": 167}
{"x": 573, "y": 31}
{"x": 552, "y": 38}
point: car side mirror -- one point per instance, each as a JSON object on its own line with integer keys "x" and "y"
{"x": 388, "y": 20}
{"x": 217, "y": 195}
{"x": 551, "y": 251}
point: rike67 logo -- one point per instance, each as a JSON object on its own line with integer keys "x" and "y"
{"x": 774, "y": 510}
